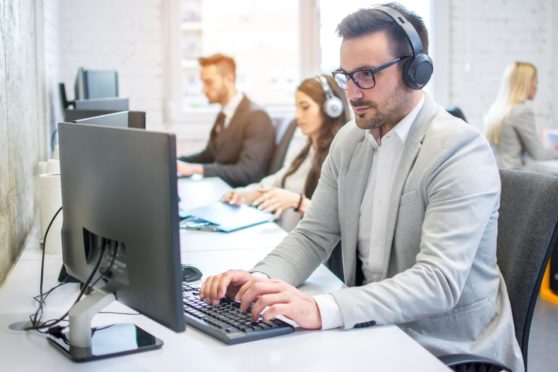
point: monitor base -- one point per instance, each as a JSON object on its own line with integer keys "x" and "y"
{"x": 107, "y": 342}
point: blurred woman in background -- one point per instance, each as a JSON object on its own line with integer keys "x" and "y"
{"x": 321, "y": 109}
{"x": 510, "y": 122}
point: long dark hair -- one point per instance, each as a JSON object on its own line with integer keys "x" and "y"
{"x": 312, "y": 87}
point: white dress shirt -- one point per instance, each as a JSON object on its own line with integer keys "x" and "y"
{"x": 373, "y": 210}
{"x": 230, "y": 108}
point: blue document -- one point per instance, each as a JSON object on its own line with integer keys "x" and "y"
{"x": 223, "y": 217}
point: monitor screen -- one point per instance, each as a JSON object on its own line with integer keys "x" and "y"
{"x": 124, "y": 119}
{"x": 120, "y": 206}
{"x": 92, "y": 84}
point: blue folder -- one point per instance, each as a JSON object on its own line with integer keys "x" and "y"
{"x": 223, "y": 217}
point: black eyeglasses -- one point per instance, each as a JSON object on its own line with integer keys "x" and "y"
{"x": 364, "y": 78}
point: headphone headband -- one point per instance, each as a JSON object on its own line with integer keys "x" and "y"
{"x": 325, "y": 86}
{"x": 410, "y": 32}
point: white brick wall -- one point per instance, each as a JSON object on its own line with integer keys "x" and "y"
{"x": 126, "y": 35}
{"x": 487, "y": 35}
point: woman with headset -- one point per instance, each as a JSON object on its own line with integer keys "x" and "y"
{"x": 510, "y": 122}
{"x": 321, "y": 109}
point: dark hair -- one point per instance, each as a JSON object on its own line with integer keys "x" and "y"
{"x": 223, "y": 62}
{"x": 313, "y": 88}
{"x": 370, "y": 20}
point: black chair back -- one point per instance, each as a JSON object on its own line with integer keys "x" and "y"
{"x": 457, "y": 112}
{"x": 527, "y": 235}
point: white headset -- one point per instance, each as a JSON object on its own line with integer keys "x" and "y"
{"x": 333, "y": 106}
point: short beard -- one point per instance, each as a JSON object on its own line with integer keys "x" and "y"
{"x": 390, "y": 115}
{"x": 375, "y": 122}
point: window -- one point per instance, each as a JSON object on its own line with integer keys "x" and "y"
{"x": 275, "y": 44}
{"x": 262, "y": 36}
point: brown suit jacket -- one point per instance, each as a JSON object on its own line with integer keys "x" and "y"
{"x": 241, "y": 152}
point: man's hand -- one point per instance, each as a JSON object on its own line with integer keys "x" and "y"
{"x": 188, "y": 169}
{"x": 275, "y": 297}
{"x": 225, "y": 284}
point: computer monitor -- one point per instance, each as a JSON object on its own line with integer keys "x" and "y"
{"x": 120, "y": 206}
{"x": 114, "y": 104}
{"x": 124, "y": 119}
{"x": 91, "y": 84}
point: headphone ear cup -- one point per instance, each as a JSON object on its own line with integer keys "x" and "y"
{"x": 333, "y": 107}
{"x": 417, "y": 71}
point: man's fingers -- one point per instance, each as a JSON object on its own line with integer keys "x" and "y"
{"x": 215, "y": 291}
{"x": 255, "y": 290}
{"x": 268, "y": 300}
{"x": 277, "y": 309}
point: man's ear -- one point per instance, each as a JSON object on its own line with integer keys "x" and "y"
{"x": 229, "y": 78}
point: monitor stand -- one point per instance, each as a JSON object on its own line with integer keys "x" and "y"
{"x": 85, "y": 343}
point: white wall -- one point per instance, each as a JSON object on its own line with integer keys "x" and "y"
{"x": 487, "y": 35}
{"x": 483, "y": 36}
{"x": 126, "y": 35}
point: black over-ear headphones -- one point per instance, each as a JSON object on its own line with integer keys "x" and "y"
{"x": 333, "y": 106}
{"x": 417, "y": 69}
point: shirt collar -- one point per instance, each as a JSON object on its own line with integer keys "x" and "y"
{"x": 403, "y": 128}
{"x": 232, "y": 105}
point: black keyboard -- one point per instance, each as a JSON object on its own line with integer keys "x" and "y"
{"x": 225, "y": 321}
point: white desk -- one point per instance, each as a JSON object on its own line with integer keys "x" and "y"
{"x": 384, "y": 348}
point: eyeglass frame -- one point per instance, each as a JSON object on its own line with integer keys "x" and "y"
{"x": 373, "y": 70}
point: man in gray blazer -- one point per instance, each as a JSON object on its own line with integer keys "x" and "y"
{"x": 412, "y": 194}
{"x": 242, "y": 139}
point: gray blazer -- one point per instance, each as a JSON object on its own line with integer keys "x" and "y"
{"x": 439, "y": 281}
{"x": 519, "y": 137}
{"x": 240, "y": 154}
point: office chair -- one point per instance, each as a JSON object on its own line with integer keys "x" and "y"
{"x": 64, "y": 102}
{"x": 527, "y": 235}
{"x": 457, "y": 112}
{"x": 284, "y": 133}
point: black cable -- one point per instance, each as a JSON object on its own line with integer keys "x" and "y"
{"x": 103, "y": 273}
{"x": 53, "y": 322}
{"x": 41, "y": 298}
{"x": 47, "y": 293}
{"x": 57, "y": 330}
{"x": 39, "y": 312}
